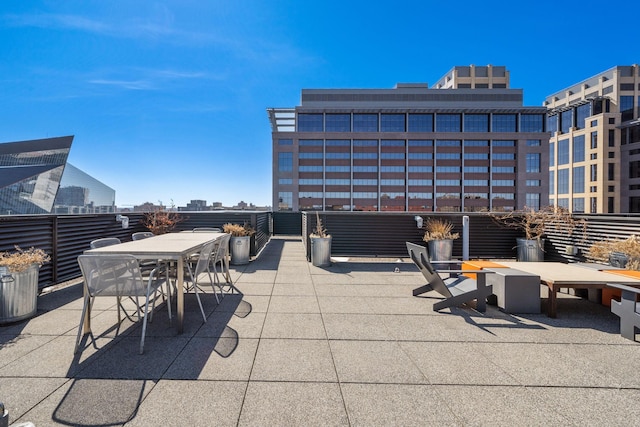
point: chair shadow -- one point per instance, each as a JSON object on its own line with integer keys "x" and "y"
{"x": 101, "y": 403}
{"x": 109, "y": 385}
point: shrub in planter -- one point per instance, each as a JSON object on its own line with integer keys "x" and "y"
{"x": 19, "y": 283}
{"x": 239, "y": 242}
{"x": 320, "y": 244}
{"x": 439, "y": 237}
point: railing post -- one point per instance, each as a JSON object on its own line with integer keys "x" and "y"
{"x": 465, "y": 237}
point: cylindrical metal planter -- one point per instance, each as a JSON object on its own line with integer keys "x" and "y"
{"x": 320, "y": 251}
{"x": 440, "y": 250}
{"x": 240, "y": 249}
{"x": 18, "y": 294}
{"x": 530, "y": 250}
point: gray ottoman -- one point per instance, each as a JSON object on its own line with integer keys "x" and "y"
{"x": 516, "y": 291}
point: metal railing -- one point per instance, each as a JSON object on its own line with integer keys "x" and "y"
{"x": 372, "y": 234}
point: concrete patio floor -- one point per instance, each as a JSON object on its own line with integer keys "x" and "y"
{"x": 342, "y": 345}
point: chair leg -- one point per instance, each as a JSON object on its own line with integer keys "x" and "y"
{"x": 87, "y": 302}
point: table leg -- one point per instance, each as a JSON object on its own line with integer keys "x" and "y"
{"x": 180, "y": 292}
{"x": 553, "y": 300}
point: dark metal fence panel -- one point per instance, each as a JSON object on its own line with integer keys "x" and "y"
{"x": 384, "y": 234}
{"x": 598, "y": 228}
{"x": 64, "y": 237}
{"x": 30, "y": 231}
{"x": 287, "y": 223}
{"x": 371, "y": 234}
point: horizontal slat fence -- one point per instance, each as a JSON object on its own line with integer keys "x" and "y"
{"x": 64, "y": 237}
{"x": 371, "y": 234}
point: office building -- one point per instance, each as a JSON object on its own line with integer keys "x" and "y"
{"x": 465, "y": 144}
{"x": 594, "y": 163}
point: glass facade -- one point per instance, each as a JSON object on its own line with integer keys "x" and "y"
{"x": 476, "y": 123}
{"x": 30, "y": 174}
{"x": 503, "y": 123}
{"x": 80, "y": 193}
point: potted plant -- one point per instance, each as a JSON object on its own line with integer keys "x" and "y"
{"x": 19, "y": 272}
{"x": 618, "y": 253}
{"x": 534, "y": 224}
{"x": 439, "y": 237}
{"x": 240, "y": 242}
{"x": 161, "y": 221}
{"x": 320, "y": 244}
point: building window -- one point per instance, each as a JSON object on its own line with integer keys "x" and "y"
{"x": 285, "y": 162}
{"x": 506, "y": 156}
{"x": 552, "y": 123}
{"x": 476, "y": 123}
{"x": 448, "y": 123}
{"x": 448, "y": 156}
{"x": 420, "y": 122}
{"x": 626, "y": 108}
{"x": 578, "y": 179}
{"x": 392, "y": 123}
{"x": 503, "y": 123}
{"x": 593, "y": 203}
{"x": 612, "y": 138}
{"x": 611, "y": 171}
{"x": 532, "y": 123}
{"x": 507, "y": 143}
{"x": 365, "y": 123}
{"x": 533, "y": 162}
{"x": 578, "y": 148}
{"x": 532, "y": 200}
{"x": 533, "y": 183}
{"x": 594, "y": 173}
{"x": 310, "y": 143}
{"x": 634, "y": 169}
{"x": 285, "y": 181}
{"x": 610, "y": 204}
{"x": 309, "y": 122}
{"x": 563, "y": 203}
{"x": 285, "y": 201}
{"x": 582, "y": 112}
{"x": 285, "y": 142}
{"x": 534, "y": 142}
{"x": 563, "y": 181}
{"x": 594, "y": 123}
{"x": 566, "y": 121}
{"x": 552, "y": 154}
{"x": 552, "y": 182}
{"x": 578, "y": 205}
{"x": 420, "y": 143}
{"x": 594, "y": 140}
{"x": 337, "y": 122}
{"x": 563, "y": 152}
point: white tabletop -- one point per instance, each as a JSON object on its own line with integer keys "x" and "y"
{"x": 164, "y": 246}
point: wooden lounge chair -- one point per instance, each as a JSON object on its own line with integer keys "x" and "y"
{"x": 456, "y": 289}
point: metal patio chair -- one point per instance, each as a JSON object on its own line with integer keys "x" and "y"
{"x": 118, "y": 276}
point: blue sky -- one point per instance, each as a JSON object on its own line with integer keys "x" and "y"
{"x": 167, "y": 99}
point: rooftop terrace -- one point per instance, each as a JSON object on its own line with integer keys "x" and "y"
{"x": 342, "y": 345}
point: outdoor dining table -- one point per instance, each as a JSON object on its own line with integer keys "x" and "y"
{"x": 171, "y": 246}
{"x": 558, "y": 275}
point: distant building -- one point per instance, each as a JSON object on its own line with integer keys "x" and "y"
{"x": 148, "y": 207}
{"x": 195, "y": 205}
{"x": 594, "y": 148}
{"x": 465, "y": 144}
